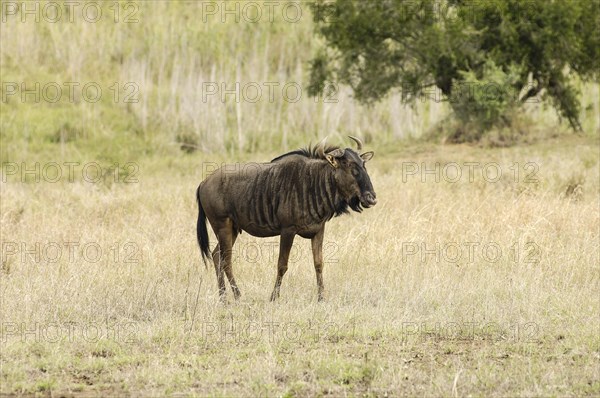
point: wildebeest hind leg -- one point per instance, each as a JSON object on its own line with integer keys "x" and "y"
{"x": 226, "y": 236}
{"x": 216, "y": 255}
{"x": 229, "y": 270}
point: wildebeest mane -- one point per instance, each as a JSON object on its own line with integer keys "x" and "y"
{"x": 309, "y": 152}
{"x": 320, "y": 189}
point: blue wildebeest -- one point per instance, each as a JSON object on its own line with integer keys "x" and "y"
{"x": 295, "y": 194}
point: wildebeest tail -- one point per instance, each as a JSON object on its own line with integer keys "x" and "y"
{"x": 201, "y": 232}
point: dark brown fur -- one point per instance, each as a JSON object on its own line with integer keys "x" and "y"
{"x": 294, "y": 194}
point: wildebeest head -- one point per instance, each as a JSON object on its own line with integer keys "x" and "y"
{"x": 351, "y": 175}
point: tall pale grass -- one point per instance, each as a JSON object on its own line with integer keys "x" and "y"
{"x": 172, "y": 53}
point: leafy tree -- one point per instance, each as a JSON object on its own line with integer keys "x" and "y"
{"x": 486, "y": 57}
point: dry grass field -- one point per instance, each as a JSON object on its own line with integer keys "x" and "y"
{"x": 475, "y": 284}
{"x": 476, "y": 274}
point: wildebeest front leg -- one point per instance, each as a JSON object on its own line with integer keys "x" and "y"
{"x": 317, "y": 249}
{"x": 285, "y": 245}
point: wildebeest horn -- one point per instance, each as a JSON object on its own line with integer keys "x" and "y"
{"x": 359, "y": 143}
{"x": 321, "y": 147}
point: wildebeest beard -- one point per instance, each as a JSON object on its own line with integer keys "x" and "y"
{"x": 355, "y": 204}
{"x": 342, "y": 206}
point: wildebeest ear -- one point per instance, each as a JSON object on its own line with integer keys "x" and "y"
{"x": 367, "y": 156}
{"x": 331, "y": 160}
{"x": 333, "y": 155}
{"x": 336, "y": 153}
